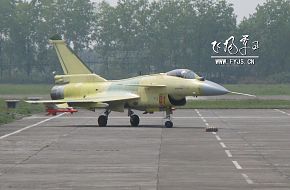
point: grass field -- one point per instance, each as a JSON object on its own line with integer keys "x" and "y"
{"x": 238, "y": 104}
{"x": 260, "y": 89}
{"x": 24, "y": 89}
{"x": 23, "y": 109}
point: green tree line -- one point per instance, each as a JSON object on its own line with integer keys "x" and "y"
{"x": 142, "y": 36}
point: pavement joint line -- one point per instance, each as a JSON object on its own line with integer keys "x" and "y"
{"x": 278, "y": 110}
{"x": 202, "y": 118}
{"x": 237, "y": 165}
{"x": 229, "y": 154}
{"x": 223, "y": 145}
{"x": 30, "y": 126}
{"x": 248, "y": 180}
{"x": 218, "y": 137}
{"x": 159, "y": 159}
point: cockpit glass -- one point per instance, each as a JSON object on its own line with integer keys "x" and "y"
{"x": 182, "y": 73}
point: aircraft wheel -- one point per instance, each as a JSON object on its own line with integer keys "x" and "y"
{"x": 168, "y": 124}
{"x": 102, "y": 121}
{"x": 134, "y": 120}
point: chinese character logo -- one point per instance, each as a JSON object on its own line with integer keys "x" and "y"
{"x": 235, "y": 53}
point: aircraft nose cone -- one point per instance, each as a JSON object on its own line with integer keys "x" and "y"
{"x": 209, "y": 88}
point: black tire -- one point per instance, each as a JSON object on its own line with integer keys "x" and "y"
{"x": 102, "y": 121}
{"x": 134, "y": 120}
{"x": 168, "y": 124}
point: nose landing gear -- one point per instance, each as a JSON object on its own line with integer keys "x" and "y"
{"x": 168, "y": 122}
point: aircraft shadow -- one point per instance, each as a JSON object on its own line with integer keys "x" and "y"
{"x": 126, "y": 126}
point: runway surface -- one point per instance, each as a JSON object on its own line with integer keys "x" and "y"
{"x": 251, "y": 150}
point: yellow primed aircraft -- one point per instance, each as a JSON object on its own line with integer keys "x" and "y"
{"x": 80, "y": 87}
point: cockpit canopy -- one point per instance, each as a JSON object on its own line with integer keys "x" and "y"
{"x": 183, "y": 73}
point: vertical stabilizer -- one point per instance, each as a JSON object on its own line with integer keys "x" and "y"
{"x": 70, "y": 62}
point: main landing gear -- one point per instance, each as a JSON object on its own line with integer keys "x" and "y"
{"x": 134, "y": 119}
{"x": 168, "y": 122}
{"x": 103, "y": 119}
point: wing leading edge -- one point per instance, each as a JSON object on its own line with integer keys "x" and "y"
{"x": 101, "y": 98}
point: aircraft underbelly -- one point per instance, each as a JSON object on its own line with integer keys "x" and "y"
{"x": 151, "y": 100}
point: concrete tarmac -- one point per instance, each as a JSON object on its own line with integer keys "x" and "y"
{"x": 251, "y": 150}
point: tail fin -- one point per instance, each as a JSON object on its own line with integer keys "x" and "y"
{"x": 70, "y": 62}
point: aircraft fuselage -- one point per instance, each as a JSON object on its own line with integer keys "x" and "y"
{"x": 156, "y": 92}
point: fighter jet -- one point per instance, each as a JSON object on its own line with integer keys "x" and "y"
{"x": 81, "y": 87}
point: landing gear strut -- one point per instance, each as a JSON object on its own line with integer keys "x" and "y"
{"x": 134, "y": 119}
{"x": 103, "y": 119}
{"x": 168, "y": 122}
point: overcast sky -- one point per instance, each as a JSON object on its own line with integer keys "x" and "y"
{"x": 243, "y": 8}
